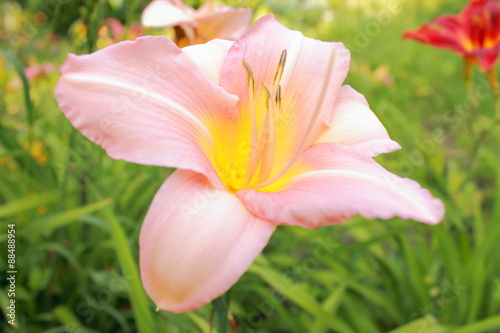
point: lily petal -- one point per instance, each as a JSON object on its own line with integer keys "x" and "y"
{"x": 210, "y": 56}
{"x": 222, "y": 21}
{"x": 301, "y": 85}
{"x": 196, "y": 242}
{"x": 444, "y": 32}
{"x": 338, "y": 183}
{"x": 165, "y": 13}
{"x": 355, "y": 125}
{"x": 145, "y": 102}
{"x": 487, "y": 58}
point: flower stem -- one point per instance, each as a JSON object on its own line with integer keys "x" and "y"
{"x": 468, "y": 74}
{"x": 485, "y": 132}
{"x": 221, "y": 308}
{"x": 493, "y": 80}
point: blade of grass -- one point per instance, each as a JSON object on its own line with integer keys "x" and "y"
{"x": 428, "y": 324}
{"x": 331, "y": 305}
{"x": 30, "y": 202}
{"x": 69, "y": 320}
{"x": 140, "y": 307}
{"x": 221, "y": 308}
{"x": 487, "y": 325}
{"x": 352, "y": 309}
{"x": 266, "y": 308}
{"x": 47, "y": 224}
{"x": 416, "y": 277}
{"x": 202, "y": 324}
{"x": 299, "y": 296}
{"x": 480, "y": 272}
{"x": 452, "y": 264}
{"x": 26, "y": 87}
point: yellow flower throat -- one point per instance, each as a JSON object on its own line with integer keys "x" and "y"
{"x": 252, "y": 158}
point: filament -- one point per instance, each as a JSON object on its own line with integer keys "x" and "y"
{"x": 310, "y": 126}
{"x": 267, "y": 138}
{"x": 252, "y": 156}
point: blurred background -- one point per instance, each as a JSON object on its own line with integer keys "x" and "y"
{"x": 78, "y": 213}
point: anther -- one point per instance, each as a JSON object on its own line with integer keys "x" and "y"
{"x": 278, "y": 97}
{"x": 315, "y": 113}
{"x": 249, "y": 74}
{"x": 280, "y": 69}
{"x": 254, "y": 137}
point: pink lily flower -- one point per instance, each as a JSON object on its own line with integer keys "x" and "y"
{"x": 262, "y": 132}
{"x": 191, "y": 26}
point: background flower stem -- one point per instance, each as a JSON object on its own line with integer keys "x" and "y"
{"x": 221, "y": 308}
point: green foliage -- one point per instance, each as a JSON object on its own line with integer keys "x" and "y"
{"x": 78, "y": 213}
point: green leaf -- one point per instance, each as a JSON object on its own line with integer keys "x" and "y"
{"x": 488, "y": 325}
{"x": 54, "y": 221}
{"x": 202, "y": 324}
{"x": 31, "y": 202}
{"x": 70, "y": 321}
{"x": 428, "y": 324}
{"x": 221, "y": 309}
{"x": 26, "y": 87}
{"x": 299, "y": 296}
{"x": 140, "y": 307}
{"x": 331, "y": 305}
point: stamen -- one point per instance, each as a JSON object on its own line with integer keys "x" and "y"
{"x": 278, "y": 96}
{"x": 312, "y": 121}
{"x": 253, "y": 161}
{"x": 267, "y": 139}
{"x": 280, "y": 69}
{"x": 271, "y": 121}
{"x": 278, "y": 106}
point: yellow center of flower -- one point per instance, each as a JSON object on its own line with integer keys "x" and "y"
{"x": 254, "y": 148}
{"x": 256, "y": 152}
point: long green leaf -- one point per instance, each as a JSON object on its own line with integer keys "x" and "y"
{"x": 26, "y": 87}
{"x": 140, "y": 306}
{"x": 428, "y": 324}
{"x": 488, "y": 325}
{"x": 299, "y": 297}
{"x": 31, "y": 202}
{"x": 47, "y": 224}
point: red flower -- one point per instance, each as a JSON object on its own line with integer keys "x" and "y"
{"x": 474, "y": 33}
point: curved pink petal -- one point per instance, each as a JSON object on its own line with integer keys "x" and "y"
{"x": 196, "y": 242}
{"x": 337, "y": 184}
{"x": 146, "y": 102}
{"x": 222, "y": 21}
{"x": 355, "y": 125}
{"x": 209, "y": 56}
{"x": 302, "y": 83}
{"x": 166, "y": 13}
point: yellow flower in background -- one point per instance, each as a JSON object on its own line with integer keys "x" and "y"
{"x": 37, "y": 151}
